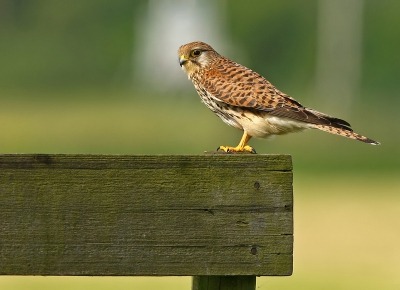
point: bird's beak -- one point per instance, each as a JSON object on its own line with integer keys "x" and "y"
{"x": 182, "y": 60}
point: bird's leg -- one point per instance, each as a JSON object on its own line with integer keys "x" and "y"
{"x": 241, "y": 147}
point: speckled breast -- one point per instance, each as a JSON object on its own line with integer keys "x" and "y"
{"x": 229, "y": 114}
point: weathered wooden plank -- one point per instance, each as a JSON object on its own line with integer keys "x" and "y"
{"x": 93, "y": 161}
{"x": 146, "y": 215}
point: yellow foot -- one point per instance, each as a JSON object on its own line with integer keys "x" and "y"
{"x": 237, "y": 149}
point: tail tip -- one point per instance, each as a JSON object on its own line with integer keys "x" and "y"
{"x": 372, "y": 142}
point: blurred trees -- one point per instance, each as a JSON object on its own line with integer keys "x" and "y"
{"x": 70, "y": 44}
{"x": 279, "y": 38}
{"x": 63, "y": 44}
{"x": 339, "y": 53}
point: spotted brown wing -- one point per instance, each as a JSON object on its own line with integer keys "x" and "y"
{"x": 239, "y": 86}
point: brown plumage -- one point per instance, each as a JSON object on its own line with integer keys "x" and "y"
{"x": 247, "y": 101}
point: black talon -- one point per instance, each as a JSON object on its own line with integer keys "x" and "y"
{"x": 253, "y": 150}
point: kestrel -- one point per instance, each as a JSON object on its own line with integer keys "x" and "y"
{"x": 247, "y": 101}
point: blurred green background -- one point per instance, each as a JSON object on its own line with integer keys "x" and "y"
{"x": 99, "y": 76}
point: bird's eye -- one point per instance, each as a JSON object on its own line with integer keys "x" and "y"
{"x": 195, "y": 53}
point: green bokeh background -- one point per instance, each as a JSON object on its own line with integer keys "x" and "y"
{"x": 68, "y": 84}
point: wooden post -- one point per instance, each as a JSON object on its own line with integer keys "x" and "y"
{"x": 224, "y": 283}
{"x": 221, "y": 218}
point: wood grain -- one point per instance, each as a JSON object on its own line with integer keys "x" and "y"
{"x": 146, "y": 215}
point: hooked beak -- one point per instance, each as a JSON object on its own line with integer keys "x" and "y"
{"x": 182, "y": 60}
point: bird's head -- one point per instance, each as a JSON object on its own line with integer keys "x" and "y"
{"x": 195, "y": 56}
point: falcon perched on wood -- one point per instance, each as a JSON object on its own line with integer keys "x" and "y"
{"x": 245, "y": 100}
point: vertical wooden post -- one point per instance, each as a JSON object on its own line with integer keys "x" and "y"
{"x": 224, "y": 283}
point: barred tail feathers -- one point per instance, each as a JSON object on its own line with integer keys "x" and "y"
{"x": 346, "y": 132}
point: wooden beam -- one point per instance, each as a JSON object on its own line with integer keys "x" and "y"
{"x": 146, "y": 215}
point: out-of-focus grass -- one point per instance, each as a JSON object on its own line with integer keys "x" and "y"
{"x": 133, "y": 126}
{"x": 347, "y": 202}
{"x": 98, "y": 283}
